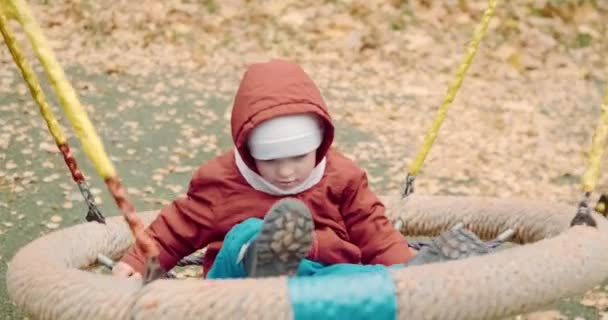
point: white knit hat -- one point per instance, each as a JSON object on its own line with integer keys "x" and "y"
{"x": 285, "y": 136}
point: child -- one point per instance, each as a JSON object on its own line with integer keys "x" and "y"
{"x": 315, "y": 203}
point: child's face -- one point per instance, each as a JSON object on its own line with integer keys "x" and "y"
{"x": 286, "y": 173}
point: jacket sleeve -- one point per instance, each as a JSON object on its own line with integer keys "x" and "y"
{"x": 181, "y": 228}
{"x": 369, "y": 228}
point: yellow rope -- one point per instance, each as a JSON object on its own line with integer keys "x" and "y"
{"x": 598, "y": 142}
{"x": 433, "y": 131}
{"x": 7, "y": 9}
{"x": 82, "y": 126}
{"x": 66, "y": 95}
{"x": 31, "y": 80}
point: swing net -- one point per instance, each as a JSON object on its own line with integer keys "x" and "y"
{"x": 449, "y": 290}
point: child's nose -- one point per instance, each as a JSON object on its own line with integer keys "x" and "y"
{"x": 286, "y": 171}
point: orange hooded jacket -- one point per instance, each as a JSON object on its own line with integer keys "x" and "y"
{"x": 350, "y": 225}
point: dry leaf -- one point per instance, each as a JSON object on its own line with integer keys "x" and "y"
{"x": 47, "y": 164}
{"x": 183, "y": 169}
{"x": 545, "y": 315}
{"x": 163, "y": 202}
{"x": 175, "y": 188}
{"x": 48, "y": 147}
{"x": 133, "y": 191}
{"x": 52, "y": 225}
{"x": 10, "y": 165}
{"x": 51, "y": 177}
{"x": 27, "y": 174}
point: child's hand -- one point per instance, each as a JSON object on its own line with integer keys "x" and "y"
{"x": 413, "y": 252}
{"x": 124, "y": 270}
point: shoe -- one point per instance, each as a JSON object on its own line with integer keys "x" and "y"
{"x": 454, "y": 244}
{"x": 284, "y": 240}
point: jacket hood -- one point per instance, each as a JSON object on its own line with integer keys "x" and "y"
{"x": 273, "y": 89}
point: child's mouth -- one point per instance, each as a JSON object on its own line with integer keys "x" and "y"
{"x": 286, "y": 184}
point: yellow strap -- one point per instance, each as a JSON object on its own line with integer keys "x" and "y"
{"x": 598, "y": 142}
{"x": 7, "y": 9}
{"x": 31, "y": 80}
{"x": 66, "y": 95}
{"x": 433, "y": 131}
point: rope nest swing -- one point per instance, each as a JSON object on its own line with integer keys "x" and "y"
{"x": 557, "y": 261}
{"x": 561, "y": 256}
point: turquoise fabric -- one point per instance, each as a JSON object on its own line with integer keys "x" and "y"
{"x": 364, "y": 295}
{"x": 226, "y": 266}
{"x": 339, "y": 291}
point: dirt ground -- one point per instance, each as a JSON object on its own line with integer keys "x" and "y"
{"x": 158, "y": 81}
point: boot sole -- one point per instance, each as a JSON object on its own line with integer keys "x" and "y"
{"x": 284, "y": 240}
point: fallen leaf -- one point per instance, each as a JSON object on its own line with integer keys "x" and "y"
{"x": 183, "y": 169}
{"x": 545, "y": 315}
{"x": 133, "y": 191}
{"x": 51, "y": 177}
{"x": 48, "y": 147}
{"x": 157, "y": 201}
{"x": 52, "y": 225}
{"x": 175, "y": 188}
{"x": 149, "y": 190}
{"x": 48, "y": 164}
{"x": 28, "y": 174}
{"x": 10, "y": 165}
{"x": 73, "y": 196}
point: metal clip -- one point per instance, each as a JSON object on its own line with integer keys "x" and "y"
{"x": 409, "y": 185}
{"x": 93, "y": 214}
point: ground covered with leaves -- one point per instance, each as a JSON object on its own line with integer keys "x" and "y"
{"x": 158, "y": 79}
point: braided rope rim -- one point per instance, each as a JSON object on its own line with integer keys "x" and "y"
{"x": 45, "y": 281}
